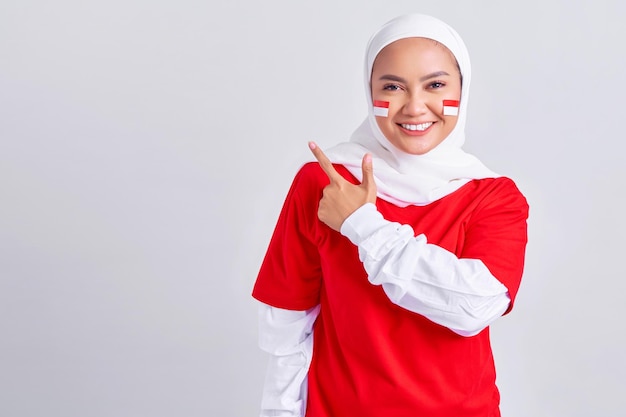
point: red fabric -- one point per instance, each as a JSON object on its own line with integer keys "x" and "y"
{"x": 371, "y": 357}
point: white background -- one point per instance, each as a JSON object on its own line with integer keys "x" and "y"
{"x": 146, "y": 148}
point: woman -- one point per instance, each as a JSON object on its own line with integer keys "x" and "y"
{"x": 388, "y": 264}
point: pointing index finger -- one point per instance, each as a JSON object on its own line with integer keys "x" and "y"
{"x": 325, "y": 163}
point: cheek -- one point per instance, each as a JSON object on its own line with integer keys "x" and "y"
{"x": 451, "y": 122}
{"x": 383, "y": 123}
{"x": 449, "y": 125}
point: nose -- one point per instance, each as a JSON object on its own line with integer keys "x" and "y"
{"x": 415, "y": 105}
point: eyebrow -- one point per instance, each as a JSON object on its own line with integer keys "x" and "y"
{"x": 433, "y": 75}
{"x": 390, "y": 77}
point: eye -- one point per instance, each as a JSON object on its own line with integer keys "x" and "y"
{"x": 436, "y": 84}
{"x": 392, "y": 87}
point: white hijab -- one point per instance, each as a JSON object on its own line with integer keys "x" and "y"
{"x": 404, "y": 179}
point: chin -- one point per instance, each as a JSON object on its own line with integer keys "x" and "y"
{"x": 416, "y": 150}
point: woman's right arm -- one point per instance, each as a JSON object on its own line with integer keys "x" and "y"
{"x": 290, "y": 277}
{"x": 287, "y": 335}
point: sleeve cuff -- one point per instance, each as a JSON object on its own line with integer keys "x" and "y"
{"x": 362, "y": 223}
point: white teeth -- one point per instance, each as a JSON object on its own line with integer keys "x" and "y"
{"x": 420, "y": 127}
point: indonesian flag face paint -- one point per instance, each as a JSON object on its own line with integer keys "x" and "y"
{"x": 451, "y": 107}
{"x": 381, "y": 108}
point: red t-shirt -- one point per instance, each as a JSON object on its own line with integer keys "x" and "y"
{"x": 372, "y": 358}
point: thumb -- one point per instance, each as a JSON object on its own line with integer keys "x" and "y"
{"x": 368, "y": 177}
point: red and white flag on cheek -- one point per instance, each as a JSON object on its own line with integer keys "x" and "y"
{"x": 381, "y": 108}
{"x": 451, "y": 107}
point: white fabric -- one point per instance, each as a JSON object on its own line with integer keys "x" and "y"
{"x": 460, "y": 294}
{"x": 288, "y": 337}
{"x": 401, "y": 178}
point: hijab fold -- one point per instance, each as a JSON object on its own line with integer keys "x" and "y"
{"x": 401, "y": 178}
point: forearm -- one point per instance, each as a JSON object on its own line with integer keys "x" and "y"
{"x": 460, "y": 294}
{"x": 288, "y": 337}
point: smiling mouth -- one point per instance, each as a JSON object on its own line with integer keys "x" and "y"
{"x": 419, "y": 127}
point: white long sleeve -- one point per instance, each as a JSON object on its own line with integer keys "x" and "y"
{"x": 460, "y": 294}
{"x": 287, "y": 336}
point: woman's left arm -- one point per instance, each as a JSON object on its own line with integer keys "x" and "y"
{"x": 464, "y": 293}
{"x": 459, "y": 293}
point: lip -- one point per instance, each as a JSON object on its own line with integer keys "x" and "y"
{"x": 415, "y": 132}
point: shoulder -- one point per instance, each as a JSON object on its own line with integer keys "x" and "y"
{"x": 497, "y": 189}
{"x": 506, "y": 187}
{"x": 309, "y": 179}
{"x": 501, "y": 195}
{"x": 311, "y": 176}
{"x": 307, "y": 185}
{"x": 310, "y": 171}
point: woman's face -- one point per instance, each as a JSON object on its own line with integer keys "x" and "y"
{"x": 415, "y": 75}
